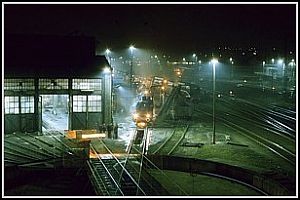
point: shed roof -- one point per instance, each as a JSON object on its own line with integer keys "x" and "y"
{"x": 51, "y": 56}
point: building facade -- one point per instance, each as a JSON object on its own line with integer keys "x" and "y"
{"x": 54, "y": 80}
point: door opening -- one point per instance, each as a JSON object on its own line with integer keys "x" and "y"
{"x": 55, "y": 112}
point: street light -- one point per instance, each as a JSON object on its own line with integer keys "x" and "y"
{"x": 231, "y": 61}
{"x": 214, "y": 62}
{"x": 292, "y": 70}
{"x": 131, "y": 48}
{"x": 106, "y": 70}
{"x": 107, "y": 73}
{"x": 107, "y": 51}
{"x": 263, "y": 73}
{"x": 280, "y": 63}
{"x": 273, "y": 60}
{"x": 196, "y": 58}
{"x": 162, "y": 94}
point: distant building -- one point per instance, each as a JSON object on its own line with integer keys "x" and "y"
{"x": 36, "y": 65}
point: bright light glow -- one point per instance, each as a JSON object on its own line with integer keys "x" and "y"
{"x": 148, "y": 115}
{"x": 162, "y": 87}
{"x": 107, "y": 51}
{"x": 96, "y": 135}
{"x": 280, "y": 62}
{"x": 165, "y": 81}
{"x": 146, "y": 92}
{"x": 214, "y": 61}
{"x": 264, "y": 62}
{"x": 106, "y": 70}
{"x": 141, "y": 124}
{"x": 131, "y": 48}
{"x": 92, "y": 154}
{"x": 71, "y": 134}
{"x": 135, "y": 116}
{"x": 230, "y": 59}
{"x": 194, "y": 55}
{"x": 273, "y": 60}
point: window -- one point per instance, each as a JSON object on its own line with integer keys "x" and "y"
{"x": 18, "y": 84}
{"x": 94, "y": 103}
{"x": 86, "y": 84}
{"x": 27, "y": 104}
{"x": 53, "y": 84}
{"x": 11, "y": 105}
{"x": 79, "y": 103}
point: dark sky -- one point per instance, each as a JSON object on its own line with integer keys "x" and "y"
{"x": 178, "y": 28}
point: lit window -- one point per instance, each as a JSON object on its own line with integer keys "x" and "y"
{"x": 53, "y": 84}
{"x": 94, "y": 103}
{"x": 79, "y": 103}
{"x": 11, "y": 105}
{"x": 86, "y": 84}
{"x": 27, "y": 104}
{"x": 18, "y": 84}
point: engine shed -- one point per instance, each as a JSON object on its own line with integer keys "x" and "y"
{"x": 54, "y": 83}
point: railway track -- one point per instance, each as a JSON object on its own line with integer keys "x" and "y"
{"x": 276, "y": 148}
{"x": 279, "y": 122}
{"x": 266, "y": 129}
{"x": 123, "y": 174}
{"x": 172, "y": 142}
{"x": 102, "y": 177}
{"x": 26, "y": 148}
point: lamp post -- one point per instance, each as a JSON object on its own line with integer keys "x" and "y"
{"x": 263, "y": 67}
{"x": 107, "y": 73}
{"x": 214, "y": 62}
{"x": 107, "y": 51}
{"x": 262, "y": 74}
{"x": 272, "y": 60}
{"x": 195, "y": 65}
{"x": 196, "y": 58}
{"x": 131, "y": 48}
{"x": 231, "y": 62}
{"x": 293, "y": 72}
{"x": 282, "y": 69}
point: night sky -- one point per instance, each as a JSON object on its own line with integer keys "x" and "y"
{"x": 173, "y": 28}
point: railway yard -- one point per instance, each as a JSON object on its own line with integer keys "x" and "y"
{"x": 150, "y": 100}
{"x": 254, "y": 153}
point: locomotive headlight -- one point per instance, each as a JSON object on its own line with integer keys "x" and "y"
{"x": 135, "y": 115}
{"x": 141, "y": 124}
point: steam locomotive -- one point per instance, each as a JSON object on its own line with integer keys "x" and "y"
{"x": 143, "y": 113}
